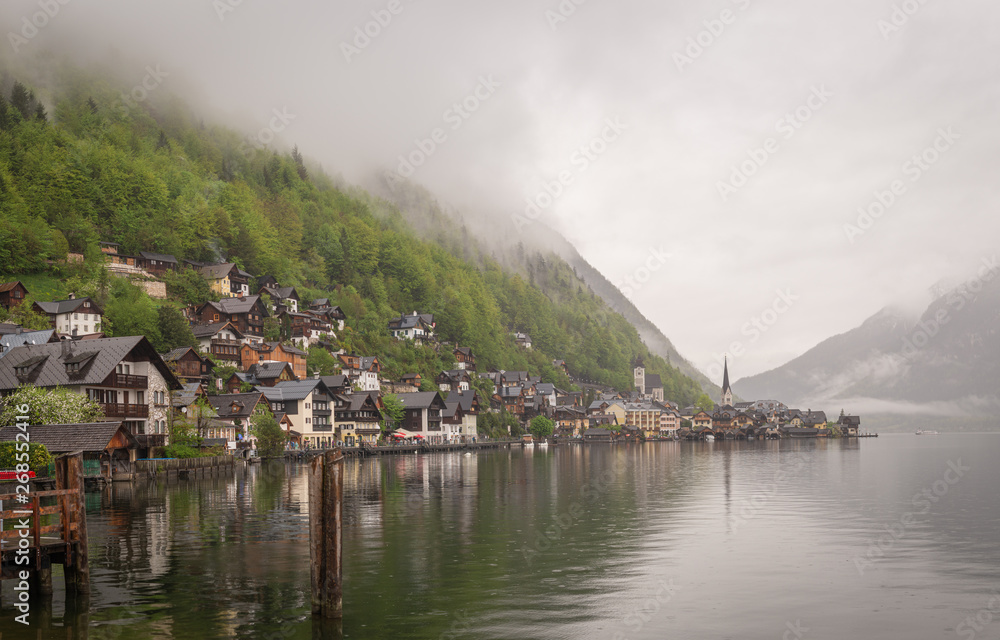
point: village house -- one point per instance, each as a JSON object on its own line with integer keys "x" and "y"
{"x": 308, "y": 405}
{"x": 570, "y": 421}
{"x": 462, "y": 410}
{"x": 227, "y": 279}
{"x": 157, "y": 263}
{"x": 560, "y": 365}
{"x": 124, "y": 375}
{"x": 424, "y": 415}
{"x": 849, "y": 425}
{"x": 280, "y": 298}
{"x": 188, "y": 365}
{"x": 416, "y": 327}
{"x": 356, "y": 419}
{"x": 522, "y": 340}
{"x": 247, "y": 314}
{"x": 337, "y": 384}
{"x": 334, "y": 315}
{"x": 75, "y": 316}
{"x": 464, "y": 359}
{"x": 262, "y": 374}
{"x": 237, "y": 411}
{"x": 306, "y": 328}
{"x": 222, "y": 340}
{"x": 701, "y": 420}
{"x": 599, "y": 435}
{"x": 12, "y": 294}
{"x": 453, "y": 380}
{"x": 362, "y": 371}
{"x": 251, "y": 354}
{"x": 510, "y": 399}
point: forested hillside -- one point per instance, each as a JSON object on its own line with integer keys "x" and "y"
{"x": 78, "y": 165}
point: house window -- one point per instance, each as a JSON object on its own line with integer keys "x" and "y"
{"x": 307, "y": 405}
{"x": 124, "y": 369}
{"x": 307, "y": 420}
{"x": 76, "y": 316}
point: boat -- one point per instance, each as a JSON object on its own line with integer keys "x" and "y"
{"x": 927, "y": 433}
{"x": 709, "y": 437}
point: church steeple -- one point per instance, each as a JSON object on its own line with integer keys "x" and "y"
{"x": 727, "y": 391}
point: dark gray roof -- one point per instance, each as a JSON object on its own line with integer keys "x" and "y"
{"x": 67, "y": 438}
{"x": 268, "y": 370}
{"x": 282, "y": 292}
{"x": 449, "y": 409}
{"x": 545, "y": 388}
{"x": 13, "y": 340}
{"x": 292, "y": 390}
{"x": 335, "y": 381}
{"x": 223, "y": 404}
{"x": 411, "y": 321}
{"x": 463, "y": 398}
{"x": 287, "y": 347}
{"x": 653, "y": 381}
{"x": 162, "y": 257}
{"x": 237, "y": 305}
{"x": 209, "y": 330}
{"x": 51, "y": 361}
{"x": 216, "y": 271}
{"x": 66, "y": 306}
{"x": 420, "y": 400}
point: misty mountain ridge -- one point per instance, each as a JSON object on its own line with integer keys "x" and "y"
{"x": 943, "y": 363}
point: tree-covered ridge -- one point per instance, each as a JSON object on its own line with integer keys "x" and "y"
{"x": 155, "y": 178}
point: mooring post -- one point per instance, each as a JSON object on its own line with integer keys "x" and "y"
{"x": 69, "y": 475}
{"x": 325, "y": 533}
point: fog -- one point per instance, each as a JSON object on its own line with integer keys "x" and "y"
{"x": 709, "y": 157}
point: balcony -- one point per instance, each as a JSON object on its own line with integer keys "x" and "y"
{"x": 121, "y": 410}
{"x": 125, "y": 381}
{"x": 145, "y": 441}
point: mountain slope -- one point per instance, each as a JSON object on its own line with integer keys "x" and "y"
{"x": 946, "y": 361}
{"x": 154, "y": 177}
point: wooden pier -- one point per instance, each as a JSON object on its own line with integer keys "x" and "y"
{"x": 56, "y": 532}
{"x": 400, "y": 449}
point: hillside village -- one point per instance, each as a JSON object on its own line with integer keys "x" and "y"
{"x": 238, "y": 370}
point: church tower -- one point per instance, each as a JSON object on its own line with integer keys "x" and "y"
{"x": 727, "y": 391}
{"x": 639, "y": 374}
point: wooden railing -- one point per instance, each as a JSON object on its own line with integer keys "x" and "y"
{"x": 126, "y": 381}
{"x": 121, "y": 410}
{"x": 66, "y": 506}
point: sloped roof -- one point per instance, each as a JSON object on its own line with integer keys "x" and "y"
{"x": 217, "y": 271}
{"x": 8, "y": 286}
{"x": 60, "y": 307}
{"x": 66, "y": 438}
{"x": 463, "y": 398}
{"x": 421, "y": 400}
{"x": 336, "y": 381}
{"x": 209, "y": 330}
{"x": 268, "y": 370}
{"x": 223, "y": 404}
{"x": 293, "y": 390}
{"x": 162, "y": 257}
{"x": 238, "y": 305}
{"x": 653, "y": 381}
{"x": 108, "y": 352}
{"x": 13, "y": 340}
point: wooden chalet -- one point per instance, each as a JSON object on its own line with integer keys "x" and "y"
{"x": 12, "y": 294}
{"x": 188, "y": 365}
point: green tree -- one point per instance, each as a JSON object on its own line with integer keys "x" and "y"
{"x": 270, "y": 437}
{"x": 131, "y": 312}
{"x": 174, "y": 330}
{"x": 705, "y": 403}
{"x": 320, "y": 360}
{"x": 36, "y": 456}
{"x": 393, "y": 411}
{"x": 272, "y": 329}
{"x": 24, "y": 315}
{"x": 49, "y": 406}
{"x": 541, "y": 427}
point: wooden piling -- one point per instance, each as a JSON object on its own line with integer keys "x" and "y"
{"x": 325, "y": 533}
{"x": 69, "y": 475}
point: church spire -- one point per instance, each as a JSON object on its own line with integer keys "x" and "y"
{"x": 727, "y": 391}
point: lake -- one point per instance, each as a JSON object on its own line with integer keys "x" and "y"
{"x": 889, "y": 537}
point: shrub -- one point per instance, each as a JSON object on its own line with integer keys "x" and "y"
{"x": 38, "y": 456}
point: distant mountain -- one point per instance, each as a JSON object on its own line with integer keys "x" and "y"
{"x": 945, "y": 363}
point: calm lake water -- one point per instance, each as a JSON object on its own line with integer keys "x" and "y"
{"x": 894, "y": 537}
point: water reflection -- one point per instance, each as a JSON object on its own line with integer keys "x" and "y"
{"x": 724, "y": 539}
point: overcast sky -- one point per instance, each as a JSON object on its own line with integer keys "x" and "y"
{"x": 739, "y": 137}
